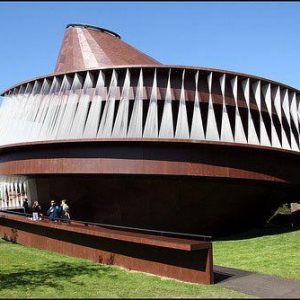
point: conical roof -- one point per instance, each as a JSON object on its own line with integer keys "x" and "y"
{"x": 87, "y": 47}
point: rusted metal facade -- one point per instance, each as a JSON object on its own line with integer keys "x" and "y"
{"x": 130, "y": 141}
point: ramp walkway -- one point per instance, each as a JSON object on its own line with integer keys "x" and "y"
{"x": 254, "y": 284}
{"x": 184, "y": 259}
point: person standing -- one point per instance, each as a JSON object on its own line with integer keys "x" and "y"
{"x": 26, "y": 207}
{"x": 65, "y": 212}
{"x": 36, "y": 210}
{"x": 53, "y": 211}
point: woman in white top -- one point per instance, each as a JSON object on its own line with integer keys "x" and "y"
{"x": 65, "y": 213}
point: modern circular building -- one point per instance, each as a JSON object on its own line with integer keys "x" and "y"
{"x": 130, "y": 141}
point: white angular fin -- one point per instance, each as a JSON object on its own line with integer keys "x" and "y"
{"x": 166, "y": 127}
{"x": 121, "y": 123}
{"x": 239, "y": 132}
{"x": 197, "y": 131}
{"x": 106, "y": 123}
{"x": 211, "y": 128}
{"x": 182, "y": 126}
{"x": 135, "y": 129}
{"x": 151, "y": 125}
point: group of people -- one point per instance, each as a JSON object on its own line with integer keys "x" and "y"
{"x": 61, "y": 211}
{"x": 54, "y": 212}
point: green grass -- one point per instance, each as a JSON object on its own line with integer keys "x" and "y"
{"x": 272, "y": 251}
{"x": 30, "y": 273}
{"x": 283, "y": 210}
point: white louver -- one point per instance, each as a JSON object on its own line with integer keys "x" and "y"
{"x": 108, "y": 104}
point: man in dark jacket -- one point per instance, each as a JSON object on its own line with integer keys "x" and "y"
{"x": 54, "y": 211}
{"x": 26, "y": 207}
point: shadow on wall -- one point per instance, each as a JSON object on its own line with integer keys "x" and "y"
{"x": 13, "y": 236}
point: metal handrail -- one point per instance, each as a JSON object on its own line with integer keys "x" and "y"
{"x": 160, "y": 232}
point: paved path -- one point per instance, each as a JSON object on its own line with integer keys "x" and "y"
{"x": 259, "y": 285}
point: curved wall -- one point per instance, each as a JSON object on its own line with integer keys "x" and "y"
{"x": 152, "y": 102}
{"x": 200, "y": 187}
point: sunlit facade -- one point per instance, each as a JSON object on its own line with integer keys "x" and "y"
{"x": 106, "y": 111}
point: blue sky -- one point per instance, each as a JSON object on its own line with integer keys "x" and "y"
{"x": 258, "y": 38}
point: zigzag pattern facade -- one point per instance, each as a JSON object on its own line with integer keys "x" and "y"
{"x": 152, "y": 102}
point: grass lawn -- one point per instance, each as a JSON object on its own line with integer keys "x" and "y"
{"x": 30, "y": 273}
{"x": 271, "y": 250}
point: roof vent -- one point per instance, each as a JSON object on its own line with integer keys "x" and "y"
{"x": 95, "y": 28}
